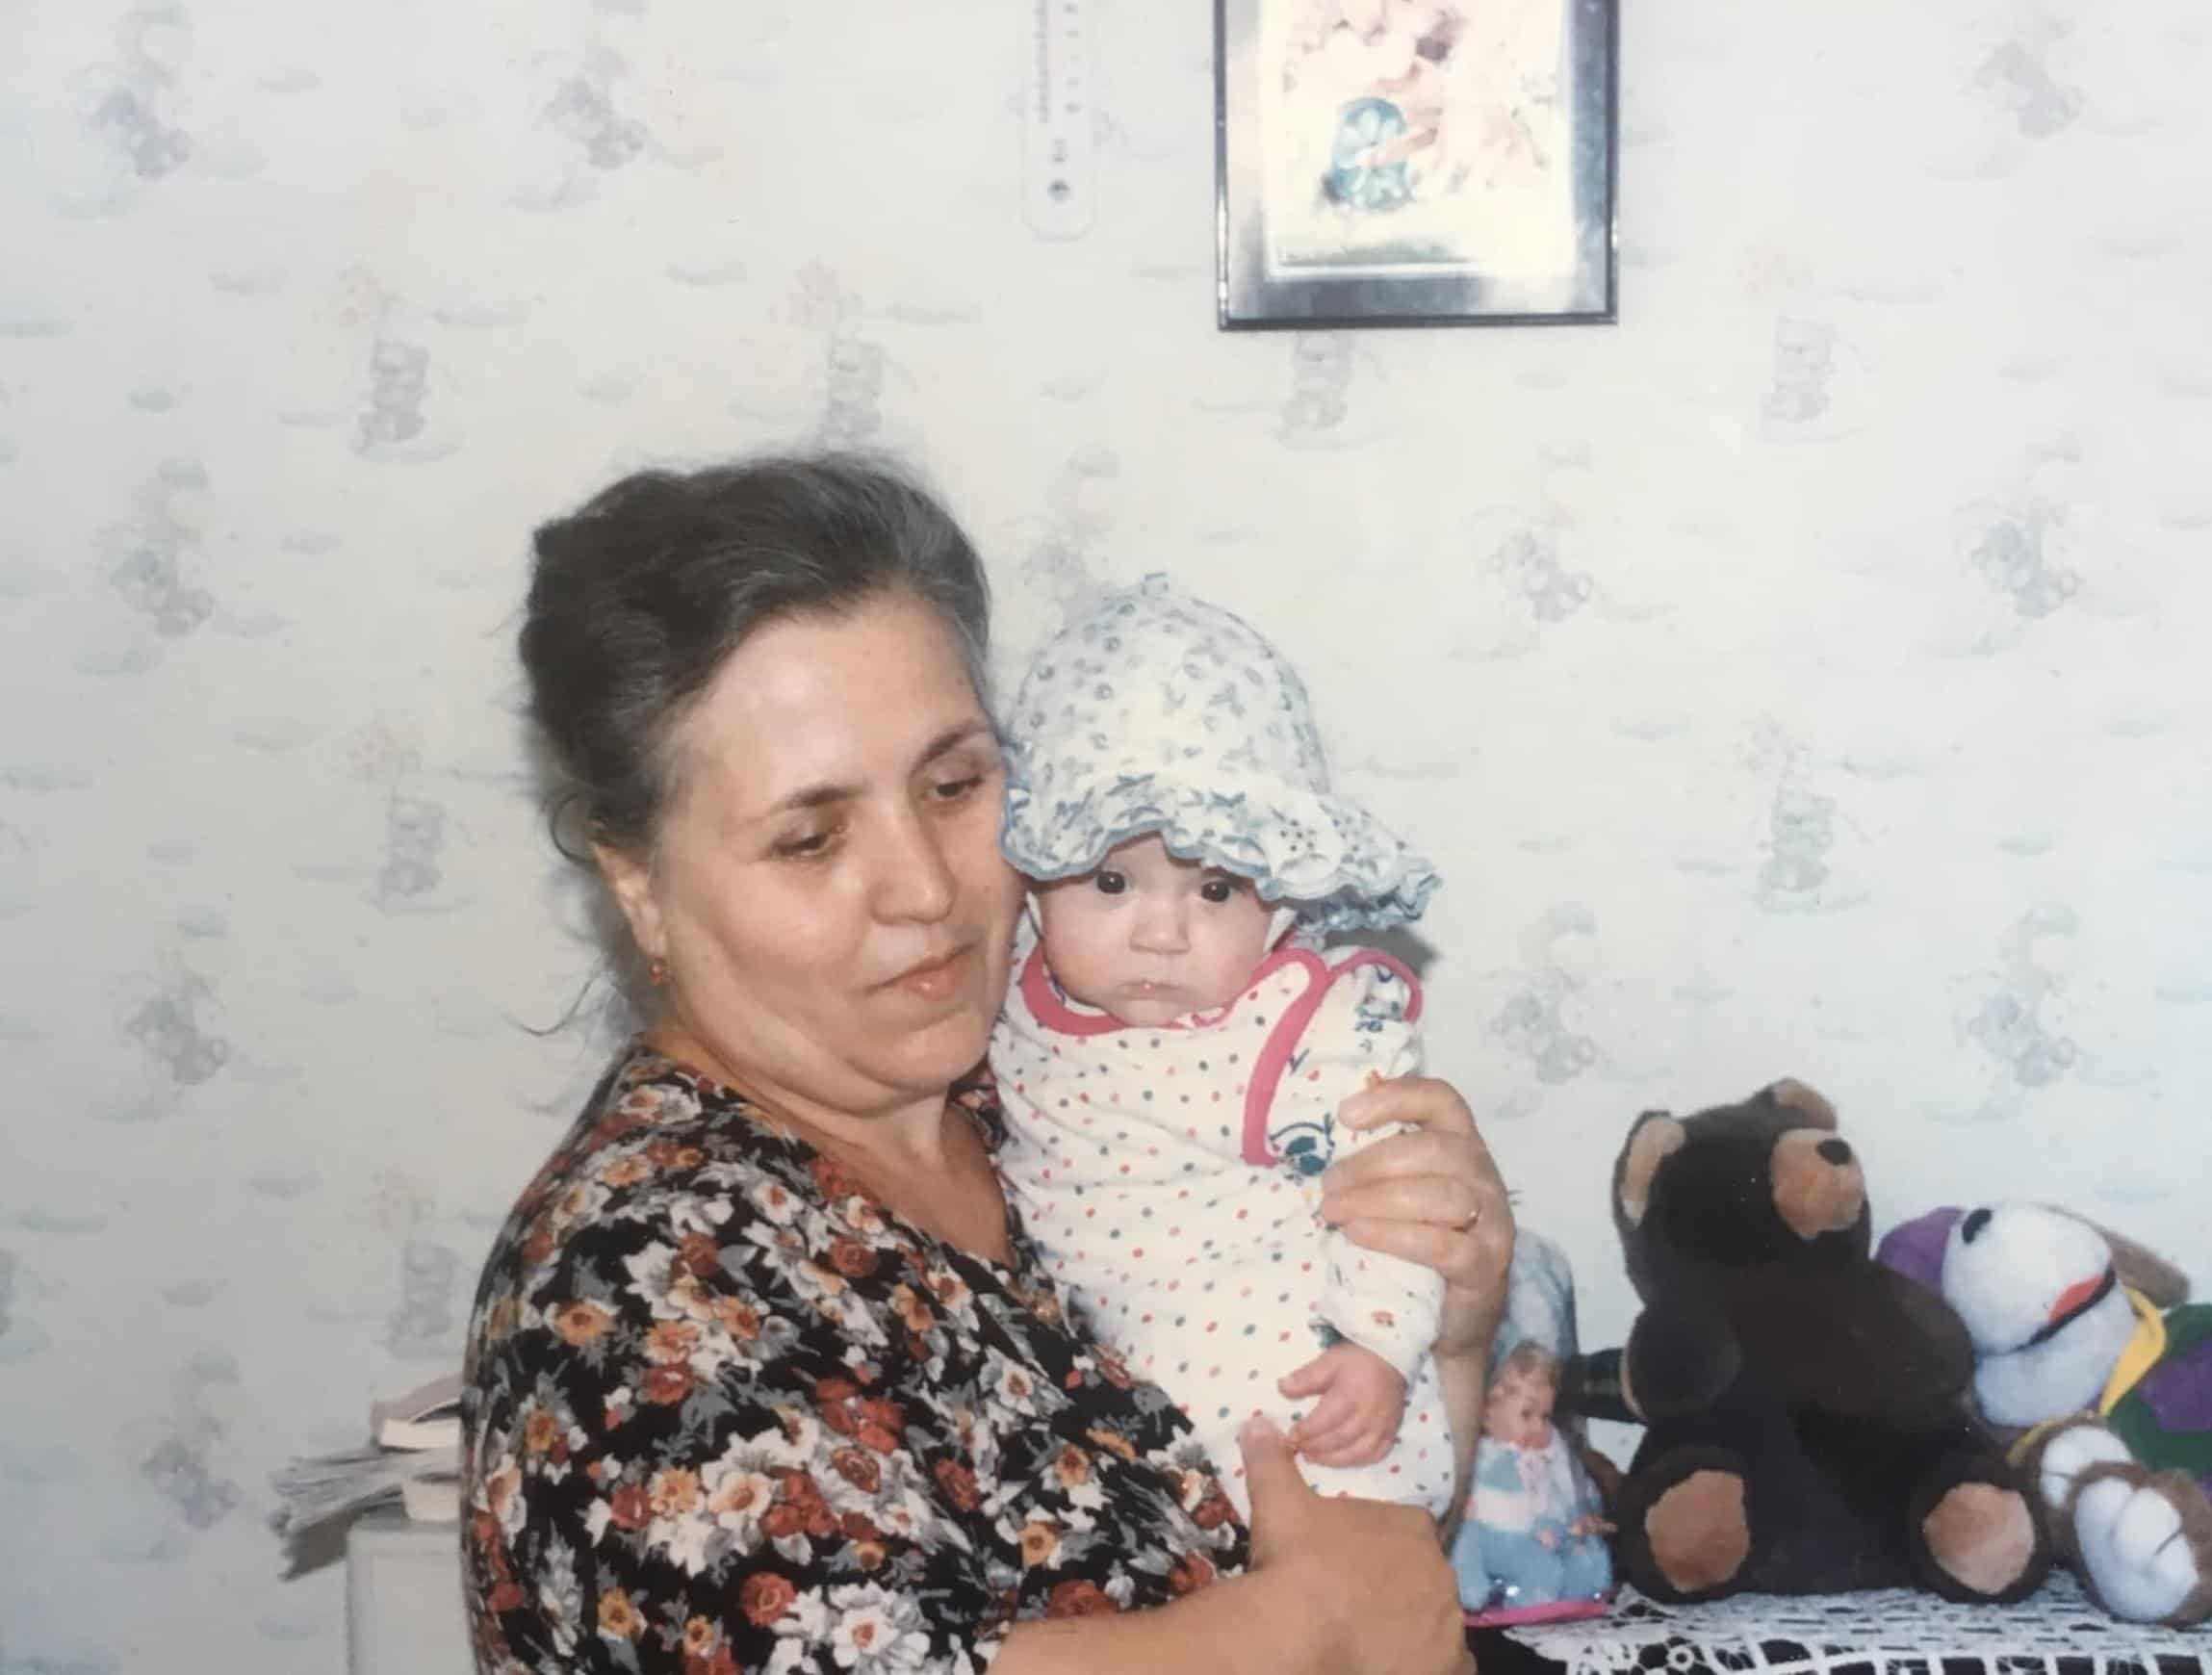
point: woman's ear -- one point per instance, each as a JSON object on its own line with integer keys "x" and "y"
{"x": 629, "y": 877}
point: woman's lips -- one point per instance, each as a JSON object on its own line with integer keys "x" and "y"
{"x": 934, "y": 979}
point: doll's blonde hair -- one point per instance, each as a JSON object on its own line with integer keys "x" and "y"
{"x": 1528, "y": 1360}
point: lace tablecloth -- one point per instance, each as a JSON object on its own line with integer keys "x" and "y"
{"x": 1897, "y": 1632}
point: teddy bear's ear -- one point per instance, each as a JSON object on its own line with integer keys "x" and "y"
{"x": 2139, "y": 1266}
{"x": 1806, "y": 1103}
{"x": 1651, "y": 1142}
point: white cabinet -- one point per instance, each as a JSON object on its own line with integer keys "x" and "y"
{"x": 404, "y": 1614}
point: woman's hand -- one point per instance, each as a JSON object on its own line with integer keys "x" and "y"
{"x": 1432, "y": 1195}
{"x": 1374, "y": 1571}
{"x": 1335, "y": 1588}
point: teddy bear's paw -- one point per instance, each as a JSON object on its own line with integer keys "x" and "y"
{"x": 2130, "y": 1537}
{"x": 2070, "y": 1452}
{"x": 1983, "y": 1536}
{"x": 1686, "y": 1527}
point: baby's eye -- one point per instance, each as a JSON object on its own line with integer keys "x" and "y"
{"x": 1110, "y": 882}
{"x": 1220, "y": 889}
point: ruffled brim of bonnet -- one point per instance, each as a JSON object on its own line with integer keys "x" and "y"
{"x": 1329, "y": 858}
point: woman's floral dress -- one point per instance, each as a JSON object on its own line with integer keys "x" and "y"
{"x": 726, "y": 1412}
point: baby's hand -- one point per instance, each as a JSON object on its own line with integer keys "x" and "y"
{"x": 1362, "y": 1399}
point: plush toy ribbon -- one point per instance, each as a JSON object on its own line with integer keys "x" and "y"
{"x": 2141, "y": 1353}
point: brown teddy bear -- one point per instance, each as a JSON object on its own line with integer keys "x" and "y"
{"x": 1803, "y": 1428}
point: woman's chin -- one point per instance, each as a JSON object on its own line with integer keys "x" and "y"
{"x": 936, "y": 1056}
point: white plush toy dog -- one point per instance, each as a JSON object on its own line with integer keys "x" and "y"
{"x": 2084, "y": 1352}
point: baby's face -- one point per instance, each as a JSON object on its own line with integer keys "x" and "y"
{"x": 1519, "y": 1411}
{"x": 1147, "y": 938}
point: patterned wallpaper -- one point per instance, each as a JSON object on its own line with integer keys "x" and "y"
{"x": 1805, "y": 675}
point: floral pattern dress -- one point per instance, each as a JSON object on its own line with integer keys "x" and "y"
{"x": 725, "y": 1412}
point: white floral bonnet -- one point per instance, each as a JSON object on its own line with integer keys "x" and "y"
{"x": 1156, "y": 713}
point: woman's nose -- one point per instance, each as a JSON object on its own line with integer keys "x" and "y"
{"x": 913, "y": 875}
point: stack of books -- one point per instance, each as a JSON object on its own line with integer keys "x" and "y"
{"x": 413, "y": 1456}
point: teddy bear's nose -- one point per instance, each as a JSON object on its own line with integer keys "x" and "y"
{"x": 1972, "y": 1227}
{"x": 1835, "y": 1151}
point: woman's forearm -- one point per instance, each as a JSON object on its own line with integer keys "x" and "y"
{"x": 1236, "y": 1624}
{"x": 1461, "y": 1380}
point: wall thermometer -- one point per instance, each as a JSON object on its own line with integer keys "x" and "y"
{"x": 1059, "y": 140}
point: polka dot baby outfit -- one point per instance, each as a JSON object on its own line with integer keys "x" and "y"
{"x": 1170, "y": 1175}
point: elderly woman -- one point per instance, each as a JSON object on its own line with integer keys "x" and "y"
{"x": 763, "y": 1373}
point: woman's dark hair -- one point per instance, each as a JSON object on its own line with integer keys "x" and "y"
{"x": 638, "y": 599}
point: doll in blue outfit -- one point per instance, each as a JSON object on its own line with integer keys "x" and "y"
{"x": 1539, "y": 1536}
{"x": 1533, "y": 1547}
{"x": 1175, "y": 1042}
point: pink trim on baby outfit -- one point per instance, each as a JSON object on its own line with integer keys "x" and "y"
{"x": 1283, "y": 1039}
{"x": 1046, "y": 1004}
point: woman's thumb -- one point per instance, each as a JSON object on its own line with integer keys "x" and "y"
{"x": 1272, "y": 1479}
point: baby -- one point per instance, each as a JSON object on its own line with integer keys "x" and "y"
{"x": 1174, "y": 1047}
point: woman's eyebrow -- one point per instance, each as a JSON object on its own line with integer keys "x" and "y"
{"x": 812, "y": 797}
{"x": 950, "y": 739}
{"x": 821, "y": 796}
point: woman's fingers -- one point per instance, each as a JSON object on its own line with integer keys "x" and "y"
{"x": 1431, "y": 1194}
{"x": 1412, "y": 1177}
{"x": 1474, "y": 1254}
{"x": 1449, "y": 1250}
{"x": 1404, "y": 1174}
{"x": 1417, "y": 1102}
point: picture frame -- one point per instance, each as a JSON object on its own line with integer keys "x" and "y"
{"x": 1415, "y": 162}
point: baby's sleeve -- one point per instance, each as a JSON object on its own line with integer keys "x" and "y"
{"x": 1363, "y": 1030}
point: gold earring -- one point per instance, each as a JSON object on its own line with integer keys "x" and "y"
{"x": 656, "y": 971}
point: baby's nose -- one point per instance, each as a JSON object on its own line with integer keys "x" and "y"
{"x": 1161, "y": 929}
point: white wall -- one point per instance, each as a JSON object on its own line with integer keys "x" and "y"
{"x": 1875, "y": 748}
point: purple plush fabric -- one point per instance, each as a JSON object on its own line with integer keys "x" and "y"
{"x": 1914, "y": 1248}
{"x": 2178, "y": 1390}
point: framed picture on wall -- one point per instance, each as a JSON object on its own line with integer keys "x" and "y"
{"x": 1415, "y": 162}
